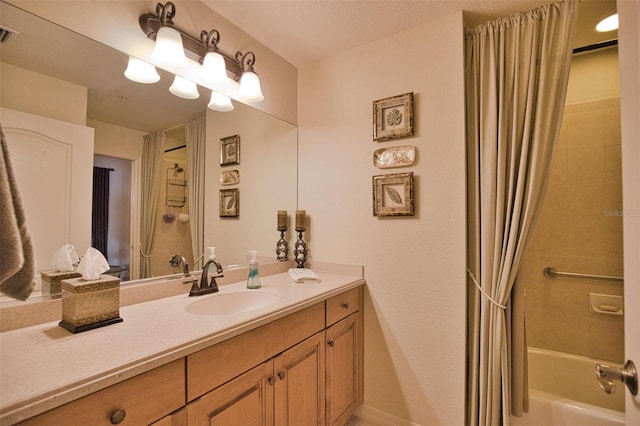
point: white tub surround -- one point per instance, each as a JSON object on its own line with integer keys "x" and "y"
{"x": 45, "y": 366}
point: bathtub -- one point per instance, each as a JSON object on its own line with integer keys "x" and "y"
{"x": 563, "y": 390}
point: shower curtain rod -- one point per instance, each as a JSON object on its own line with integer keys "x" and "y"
{"x": 552, "y": 273}
{"x": 595, "y": 46}
{"x": 175, "y": 148}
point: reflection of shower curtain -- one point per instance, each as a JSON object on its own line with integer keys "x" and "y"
{"x": 517, "y": 69}
{"x": 152, "y": 153}
{"x": 100, "y": 210}
{"x": 195, "y": 131}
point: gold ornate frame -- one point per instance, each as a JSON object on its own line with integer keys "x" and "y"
{"x": 393, "y": 195}
{"x": 230, "y": 150}
{"x": 230, "y": 202}
{"x": 393, "y": 117}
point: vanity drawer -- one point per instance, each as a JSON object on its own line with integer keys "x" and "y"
{"x": 343, "y": 305}
{"x": 141, "y": 399}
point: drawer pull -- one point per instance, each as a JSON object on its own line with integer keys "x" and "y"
{"x": 345, "y": 305}
{"x": 272, "y": 380}
{"x": 118, "y": 416}
{"x": 281, "y": 375}
{"x": 331, "y": 343}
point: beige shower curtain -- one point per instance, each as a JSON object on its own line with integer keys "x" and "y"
{"x": 195, "y": 131}
{"x": 517, "y": 70}
{"x": 152, "y": 154}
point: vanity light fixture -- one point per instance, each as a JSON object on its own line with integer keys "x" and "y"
{"x": 168, "y": 49}
{"x": 220, "y": 102}
{"x": 141, "y": 71}
{"x": 610, "y": 23}
{"x": 213, "y": 69}
{"x": 184, "y": 88}
{"x": 249, "y": 82}
{"x": 217, "y": 69}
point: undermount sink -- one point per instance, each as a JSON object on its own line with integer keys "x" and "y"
{"x": 232, "y": 302}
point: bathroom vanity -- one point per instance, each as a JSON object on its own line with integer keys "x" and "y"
{"x": 296, "y": 360}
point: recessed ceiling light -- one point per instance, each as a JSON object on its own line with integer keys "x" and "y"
{"x": 609, "y": 23}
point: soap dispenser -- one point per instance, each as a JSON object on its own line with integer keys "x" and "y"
{"x": 213, "y": 269}
{"x": 253, "y": 281}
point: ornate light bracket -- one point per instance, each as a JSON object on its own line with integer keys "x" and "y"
{"x": 194, "y": 48}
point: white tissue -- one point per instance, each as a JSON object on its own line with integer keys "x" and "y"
{"x": 93, "y": 264}
{"x": 65, "y": 258}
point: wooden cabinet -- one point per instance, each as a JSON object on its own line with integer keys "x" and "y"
{"x": 345, "y": 349}
{"x": 246, "y": 400}
{"x": 343, "y": 380}
{"x": 285, "y": 390}
{"x": 140, "y": 400}
{"x": 299, "y": 384}
{"x": 304, "y": 369}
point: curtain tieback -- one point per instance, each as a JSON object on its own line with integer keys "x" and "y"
{"x": 491, "y": 299}
{"x": 149, "y": 255}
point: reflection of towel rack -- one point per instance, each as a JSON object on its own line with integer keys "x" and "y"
{"x": 550, "y": 272}
{"x": 176, "y": 187}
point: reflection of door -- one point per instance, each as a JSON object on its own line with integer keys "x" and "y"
{"x": 53, "y": 164}
{"x": 119, "y": 212}
{"x": 629, "y": 13}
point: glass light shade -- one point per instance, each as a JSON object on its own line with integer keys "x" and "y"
{"x": 168, "y": 49}
{"x": 609, "y": 23}
{"x": 250, "y": 87}
{"x": 184, "y": 88}
{"x": 220, "y": 102}
{"x": 141, "y": 71}
{"x": 214, "y": 70}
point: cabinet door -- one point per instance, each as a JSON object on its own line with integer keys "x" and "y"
{"x": 299, "y": 388}
{"x": 342, "y": 370}
{"x": 246, "y": 400}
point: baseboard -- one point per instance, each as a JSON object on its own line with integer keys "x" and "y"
{"x": 380, "y": 418}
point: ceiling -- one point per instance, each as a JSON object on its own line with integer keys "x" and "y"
{"x": 300, "y": 31}
{"x": 303, "y": 31}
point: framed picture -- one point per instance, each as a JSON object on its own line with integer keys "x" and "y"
{"x": 230, "y": 150}
{"x": 393, "y": 117}
{"x": 230, "y": 202}
{"x": 393, "y": 195}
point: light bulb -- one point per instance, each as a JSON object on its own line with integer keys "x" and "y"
{"x": 184, "y": 88}
{"x": 214, "y": 70}
{"x": 609, "y": 23}
{"x": 168, "y": 49}
{"x": 250, "y": 87}
{"x": 141, "y": 71}
{"x": 220, "y": 102}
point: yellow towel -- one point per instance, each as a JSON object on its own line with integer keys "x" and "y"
{"x": 17, "y": 267}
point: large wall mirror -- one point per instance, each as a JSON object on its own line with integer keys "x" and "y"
{"x": 120, "y": 112}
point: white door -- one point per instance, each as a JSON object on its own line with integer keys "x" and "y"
{"x": 53, "y": 164}
{"x": 629, "y": 51}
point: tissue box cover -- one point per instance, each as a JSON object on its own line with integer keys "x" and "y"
{"x": 52, "y": 280}
{"x": 88, "y": 304}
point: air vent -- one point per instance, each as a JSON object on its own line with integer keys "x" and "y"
{"x": 7, "y": 35}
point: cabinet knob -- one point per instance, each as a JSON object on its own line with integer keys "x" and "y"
{"x": 331, "y": 343}
{"x": 281, "y": 375}
{"x": 345, "y": 305}
{"x": 118, "y": 416}
{"x": 272, "y": 380}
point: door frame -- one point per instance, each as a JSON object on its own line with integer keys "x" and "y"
{"x": 629, "y": 56}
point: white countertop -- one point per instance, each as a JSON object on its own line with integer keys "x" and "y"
{"x": 44, "y": 366}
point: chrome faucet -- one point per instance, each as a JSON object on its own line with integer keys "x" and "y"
{"x": 207, "y": 286}
{"x": 175, "y": 262}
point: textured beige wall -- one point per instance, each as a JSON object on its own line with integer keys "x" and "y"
{"x": 579, "y": 231}
{"x": 38, "y": 94}
{"x": 414, "y": 266}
